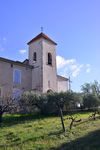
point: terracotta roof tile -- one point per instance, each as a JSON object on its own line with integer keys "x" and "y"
{"x": 41, "y": 35}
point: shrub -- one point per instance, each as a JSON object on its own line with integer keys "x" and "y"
{"x": 90, "y": 101}
{"x": 48, "y": 103}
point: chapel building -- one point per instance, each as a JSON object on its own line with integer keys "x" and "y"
{"x": 38, "y": 73}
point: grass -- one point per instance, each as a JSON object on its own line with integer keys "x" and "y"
{"x": 27, "y": 132}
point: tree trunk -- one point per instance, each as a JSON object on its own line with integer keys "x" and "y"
{"x": 71, "y": 124}
{"x": 62, "y": 120}
{"x": 1, "y": 114}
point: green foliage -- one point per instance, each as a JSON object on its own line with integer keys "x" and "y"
{"x": 72, "y": 99}
{"x": 7, "y": 105}
{"x": 90, "y": 101}
{"x": 91, "y": 88}
{"x": 86, "y": 88}
{"x": 49, "y": 103}
{"x": 91, "y": 92}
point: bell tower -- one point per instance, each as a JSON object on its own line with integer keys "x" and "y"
{"x": 42, "y": 56}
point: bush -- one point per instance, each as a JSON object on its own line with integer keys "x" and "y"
{"x": 48, "y": 103}
{"x": 90, "y": 101}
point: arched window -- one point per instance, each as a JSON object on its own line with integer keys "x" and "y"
{"x": 49, "y": 59}
{"x": 49, "y": 91}
{"x": 34, "y": 56}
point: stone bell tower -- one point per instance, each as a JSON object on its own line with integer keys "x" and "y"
{"x": 42, "y": 56}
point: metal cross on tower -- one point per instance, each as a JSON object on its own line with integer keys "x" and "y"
{"x": 69, "y": 84}
{"x": 41, "y": 29}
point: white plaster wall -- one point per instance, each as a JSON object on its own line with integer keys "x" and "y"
{"x": 62, "y": 85}
{"x": 6, "y": 78}
{"x": 49, "y": 71}
{"x": 36, "y": 46}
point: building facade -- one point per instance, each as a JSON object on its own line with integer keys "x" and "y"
{"x": 38, "y": 73}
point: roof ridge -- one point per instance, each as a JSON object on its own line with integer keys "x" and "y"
{"x": 14, "y": 62}
{"x": 42, "y": 35}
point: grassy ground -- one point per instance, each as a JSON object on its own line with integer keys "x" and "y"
{"x": 45, "y": 133}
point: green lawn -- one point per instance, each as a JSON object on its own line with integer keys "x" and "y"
{"x": 43, "y": 133}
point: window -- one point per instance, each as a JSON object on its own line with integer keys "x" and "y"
{"x": 17, "y": 76}
{"x": 34, "y": 56}
{"x": 49, "y": 91}
{"x": 49, "y": 59}
{"x": 11, "y": 65}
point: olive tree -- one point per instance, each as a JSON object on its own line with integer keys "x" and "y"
{"x": 91, "y": 101}
{"x": 7, "y": 105}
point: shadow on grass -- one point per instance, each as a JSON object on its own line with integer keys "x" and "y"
{"x": 89, "y": 142}
{"x": 9, "y": 120}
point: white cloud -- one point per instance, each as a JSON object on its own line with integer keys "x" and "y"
{"x": 2, "y": 43}
{"x": 76, "y": 70}
{"x": 71, "y": 66}
{"x": 88, "y": 68}
{"x": 22, "y": 51}
{"x": 61, "y": 62}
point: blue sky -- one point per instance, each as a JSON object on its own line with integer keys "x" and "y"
{"x": 73, "y": 24}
